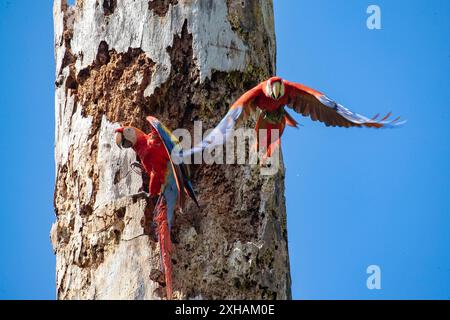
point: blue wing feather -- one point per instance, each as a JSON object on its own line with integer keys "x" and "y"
{"x": 172, "y": 146}
{"x": 355, "y": 117}
{"x": 170, "y": 193}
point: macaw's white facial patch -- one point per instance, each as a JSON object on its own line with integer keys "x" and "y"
{"x": 129, "y": 137}
{"x": 282, "y": 89}
{"x": 268, "y": 89}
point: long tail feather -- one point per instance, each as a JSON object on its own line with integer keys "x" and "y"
{"x": 268, "y": 143}
{"x": 165, "y": 243}
{"x": 386, "y": 116}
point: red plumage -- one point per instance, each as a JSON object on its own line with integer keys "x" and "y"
{"x": 272, "y": 95}
{"x": 168, "y": 181}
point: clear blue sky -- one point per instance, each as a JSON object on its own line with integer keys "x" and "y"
{"x": 355, "y": 197}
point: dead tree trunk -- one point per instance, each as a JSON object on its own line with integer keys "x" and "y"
{"x": 181, "y": 61}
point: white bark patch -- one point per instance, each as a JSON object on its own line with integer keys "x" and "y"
{"x": 123, "y": 273}
{"x": 114, "y": 164}
{"x": 58, "y": 26}
{"x": 133, "y": 25}
{"x": 72, "y": 130}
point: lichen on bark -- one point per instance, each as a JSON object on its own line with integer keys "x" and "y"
{"x": 235, "y": 245}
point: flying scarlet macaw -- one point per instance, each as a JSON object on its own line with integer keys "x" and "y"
{"x": 271, "y": 96}
{"x": 169, "y": 181}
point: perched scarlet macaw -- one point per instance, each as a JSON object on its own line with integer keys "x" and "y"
{"x": 169, "y": 181}
{"x": 271, "y": 96}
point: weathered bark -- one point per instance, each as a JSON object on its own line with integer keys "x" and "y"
{"x": 181, "y": 61}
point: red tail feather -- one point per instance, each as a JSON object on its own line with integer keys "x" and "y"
{"x": 165, "y": 244}
{"x": 386, "y": 117}
{"x": 267, "y": 142}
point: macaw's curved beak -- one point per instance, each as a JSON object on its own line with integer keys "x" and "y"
{"x": 276, "y": 90}
{"x": 119, "y": 137}
{"x": 122, "y": 140}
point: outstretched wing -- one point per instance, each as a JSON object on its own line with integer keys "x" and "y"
{"x": 181, "y": 174}
{"x": 318, "y": 106}
{"x": 240, "y": 109}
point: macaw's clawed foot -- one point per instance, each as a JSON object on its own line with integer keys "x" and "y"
{"x": 151, "y": 199}
{"x": 140, "y": 195}
{"x": 136, "y": 166}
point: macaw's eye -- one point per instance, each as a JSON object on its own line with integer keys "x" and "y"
{"x": 127, "y": 133}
